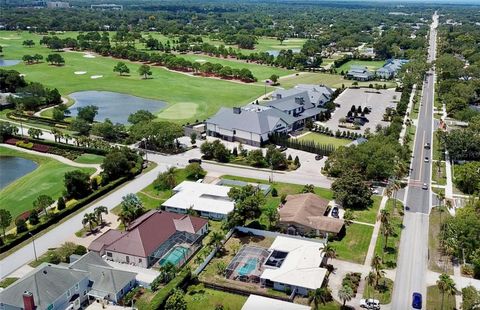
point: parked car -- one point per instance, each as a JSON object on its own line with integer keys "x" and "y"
{"x": 424, "y": 186}
{"x": 318, "y": 157}
{"x": 417, "y": 300}
{"x": 195, "y": 160}
{"x": 375, "y": 191}
{"x": 427, "y": 146}
{"x": 426, "y": 159}
{"x": 370, "y": 303}
{"x": 335, "y": 212}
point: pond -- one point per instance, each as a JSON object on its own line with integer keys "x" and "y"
{"x": 276, "y": 52}
{"x": 9, "y": 62}
{"x": 13, "y": 167}
{"x": 115, "y": 106}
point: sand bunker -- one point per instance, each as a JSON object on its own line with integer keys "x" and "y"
{"x": 80, "y": 72}
{"x": 96, "y": 76}
{"x": 89, "y": 56}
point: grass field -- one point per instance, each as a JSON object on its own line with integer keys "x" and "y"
{"x": 437, "y": 260}
{"x": 383, "y": 292}
{"x": 369, "y": 215}
{"x": 46, "y": 179}
{"x": 89, "y": 159}
{"x": 372, "y": 65}
{"x": 174, "y": 88}
{"x": 434, "y": 300}
{"x": 354, "y": 245}
{"x": 332, "y": 80}
{"x": 200, "y": 298}
{"x": 324, "y": 139}
{"x": 389, "y": 255}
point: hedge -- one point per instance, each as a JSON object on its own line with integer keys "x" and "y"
{"x": 159, "y": 300}
{"x": 57, "y": 217}
{"x": 67, "y": 146}
{"x": 37, "y": 119}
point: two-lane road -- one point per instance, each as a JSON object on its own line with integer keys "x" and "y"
{"x": 413, "y": 250}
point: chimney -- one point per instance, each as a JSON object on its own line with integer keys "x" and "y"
{"x": 279, "y": 96}
{"x": 28, "y": 302}
{"x": 298, "y": 100}
{"x": 237, "y": 110}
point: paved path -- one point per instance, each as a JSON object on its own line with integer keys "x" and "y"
{"x": 407, "y": 115}
{"x": 376, "y": 230}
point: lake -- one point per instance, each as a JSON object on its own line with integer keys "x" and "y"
{"x": 275, "y": 53}
{"x": 12, "y": 168}
{"x": 9, "y": 62}
{"x": 115, "y": 106}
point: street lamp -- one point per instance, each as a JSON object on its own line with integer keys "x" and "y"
{"x": 34, "y": 249}
{"x": 144, "y": 140}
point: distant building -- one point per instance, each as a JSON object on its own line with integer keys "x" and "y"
{"x": 57, "y": 5}
{"x": 360, "y": 73}
{"x": 391, "y": 68}
{"x": 107, "y": 7}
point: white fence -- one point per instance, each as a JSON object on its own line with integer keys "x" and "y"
{"x": 212, "y": 254}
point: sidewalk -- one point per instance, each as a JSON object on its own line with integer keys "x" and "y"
{"x": 407, "y": 114}
{"x": 376, "y": 230}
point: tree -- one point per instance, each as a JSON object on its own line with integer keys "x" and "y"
{"x": 194, "y": 171}
{"x": 166, "y": 180}
{"x": 60, "y": 203}
{"x": 329, "y": 252}
{"x": 131, "y": 208}
{"x": 274, "y": 78}
{"x": 98, "y": 211}
{"x": 176, "y": 301}
{"x": 446, "y": 285}
{"x": 77, "y": 184}
{"x": 275, "y": 158}
{"x": 348, "y": 217}
{"x": 256, "y": 158}
{"x": 119, "y": 163}
{"x": 121, "y": 68}
{"x": 43, "y": 202}
{"x": 89, "y": 219}
{"x": 272, "y": 216}
{"x": 308, "y": 188}
{"x": 345, "y": 294}
{"x": 87, "y": 113}
{"x": 5, "y": 220}
{"x": 108, "y": 131}
{"x": 387, "y": 231}
{"x": 21, "y": 226}
{"x": 28, "y": 43}
{"x": 371, "y": 279}
{"x": 141, "y": 116}
{"x": 55, "y": 59}
{"x": 470, "y": 298}
{"x": 145, "y": 71}
{"x": 35, "y": 132}
{"x": 467, "y": 177}
{"x": 217, "y": 240}
{"x": 351, "y": 191}
{"x": 193, "y": 138}
{"x": 377, "y": 266}
{"x": 81, "y": 126}
{"x": 248, "y": 200}
{"x": 319, "y": 295}
{"x": 33, "y": 218}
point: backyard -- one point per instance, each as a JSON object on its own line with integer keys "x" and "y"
{"x": 46, "y": 179}
{"x": 353, "y": 246}
{"x": 200, "y": 298}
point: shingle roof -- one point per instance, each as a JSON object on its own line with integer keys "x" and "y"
{"x": 46, "y": 282}
{"x": 316, "y": 93}
{"x": 105, "y": 239}
{"x": 309, "y": 210}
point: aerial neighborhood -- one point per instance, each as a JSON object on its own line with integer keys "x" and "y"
{"x": 188, "y": 155}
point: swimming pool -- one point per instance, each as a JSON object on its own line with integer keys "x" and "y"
{"x": 249, "y": 266}
{"x": 175, "y": 255}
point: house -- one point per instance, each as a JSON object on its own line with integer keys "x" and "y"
{"x": 107, "y": 283}
{"x": 47, "y": 287}
{"x": 318, "y": 94}
{"x": 306, "y": 214}
{"x": 360, "y": 73}
{"x": 209, "y": 200}
{"x": 294, "y": 265}
{"x": 255, "y": 302}
{"x": 390, "y": 68}
{"x": 251, "y": 124}
{"x": 147, "y": 239}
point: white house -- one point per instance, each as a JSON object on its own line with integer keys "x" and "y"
{"x": 294, "y": 264}
{"x": 209, "y": 200}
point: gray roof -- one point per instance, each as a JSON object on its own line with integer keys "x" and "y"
{"x": 316, "y": 93}
{"x": 46, "y": 282}
{"x": 104, "y": 277}
{"x": 290, "y": 102}
{"x": 252, "y": 118}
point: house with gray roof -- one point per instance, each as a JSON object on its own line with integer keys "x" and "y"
{"x": 318, "y": 94}
{"x": 360, "y": 73}
{"x": 391, "y": 68}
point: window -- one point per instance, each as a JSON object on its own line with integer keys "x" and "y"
{"x": 139, "y": 260}
{"x": 234, "y": 132}
{"x": 109, "y": 254}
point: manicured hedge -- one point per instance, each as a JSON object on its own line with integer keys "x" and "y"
{"x": 57, "y": 217}
{"x": 71, "y": 147}
{"x": 159, "y": 300}
{"x": 37, "y": 119}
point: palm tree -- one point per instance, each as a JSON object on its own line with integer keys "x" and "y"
{"x": 90, "y": 219}
{"x": 371, "y": 279}
{"x": 98, "y": 213}
{"x": 330, "y": 268}
{"x": 348, "y": 217}
{"x": 345, "y": 294}
{"x": 384, "y": 217}
{"x": 168, "y": 272}
{"x": 329, "y": 251}
{"x": 387, "y": 231}
{"x": 446, "y": 285}
{"x": 377, "y": 268}
{"x": 216, "y": 239}
{"x": 320, "y": 295}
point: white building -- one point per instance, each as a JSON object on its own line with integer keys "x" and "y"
{"x": 209, "y": 200}
{"x": 255, "y": 302}
{"x": 294, "y": 264}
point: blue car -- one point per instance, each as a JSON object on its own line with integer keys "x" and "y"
{"x": 417, "y": 301}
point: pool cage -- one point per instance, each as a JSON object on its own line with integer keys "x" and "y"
{"x": 168, "y": 252}
{"x": 246, "y": 266}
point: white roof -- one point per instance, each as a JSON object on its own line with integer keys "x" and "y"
{"x": 301, "y": 267}
{"x": 201, "y": 197}
{"x": 255, "y": 302}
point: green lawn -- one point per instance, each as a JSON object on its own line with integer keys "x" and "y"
{"x": 46, "y": 179}
{"x": 439, "y": 177}
{"x": 200, "y": 298}
{"x": 324, "y": 139}
{"x": 90, "y": 159}
{"x": 389, "y": 255}
{"x": 372, "y": 65}
{"x": 368, "y": 215}
{"x": 437, "y": 260}
{"x": 261, "y": 72}
{"x": 174, "y": 88}
{"x": 332, "y": 80}
{"x": 434, "y": 300}
{"x": 353, "y": 246}
{"x": 7, "y": 282}
{"x": 383, "y": 292}
{"x": 437, "y": 148}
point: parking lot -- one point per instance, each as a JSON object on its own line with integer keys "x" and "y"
{"x": 378, "y": 100}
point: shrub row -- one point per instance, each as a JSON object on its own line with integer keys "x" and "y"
{"x": 57, "y": 217}
{"x": 71, "y": 147}
{"x": 307, "y": 146}
{"x": 159, "y": 300}
{"x": 37, "y": 119}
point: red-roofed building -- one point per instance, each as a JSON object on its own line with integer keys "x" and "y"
{"x": 149, "y": 237}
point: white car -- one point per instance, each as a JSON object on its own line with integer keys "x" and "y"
{"x": 370, "y": 303}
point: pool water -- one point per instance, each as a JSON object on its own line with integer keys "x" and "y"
{"x": 249, "y": 266}
{"x": 175, "y": 256}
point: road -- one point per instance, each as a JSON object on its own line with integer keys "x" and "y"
{"x": 413, "y": 251}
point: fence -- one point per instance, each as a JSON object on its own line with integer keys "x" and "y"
{"x": 212, "y": 254}
{"x": 272, "y": 234}
{"x": 245, "y": 292}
